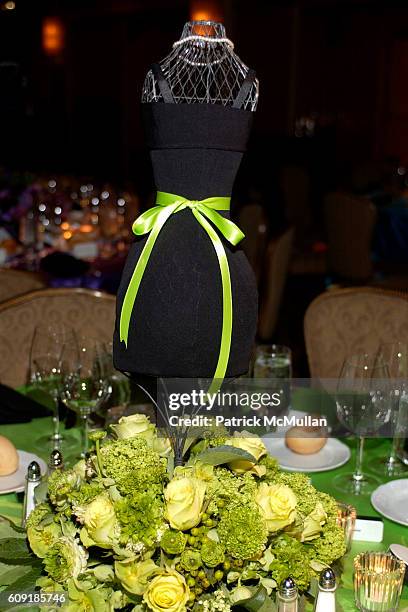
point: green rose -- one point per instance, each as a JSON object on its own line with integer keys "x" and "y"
{"x": 136, "y": 425}
{"x": 252, "y": 444}
{"x": 313, "y": 523}
{"x": 134, "y": 575}
{"x": 168, "y": 592}
{"x": 161, "y": 445}
{"x": 42, "y": 530}
{"x": 278, "y": 505}
{"x": 212, "y": 553}
{"x": 173, "y": 542}
{"x": 82, "y": 599}
{"x": 184, "y": 502}
{"x": 190, "y": 560}
{"x": 65, "y": 559}
{"x": 100, "y": 523}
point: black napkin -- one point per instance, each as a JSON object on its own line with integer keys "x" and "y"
{"x": 18, "y": 408}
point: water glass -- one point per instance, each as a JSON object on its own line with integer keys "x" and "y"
{"x": 273, "y": 366}
{"x": 346, "y": 519}
{"x": 378, "y": 581}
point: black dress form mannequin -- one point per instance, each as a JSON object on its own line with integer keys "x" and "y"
{"x": 175, "y": 328}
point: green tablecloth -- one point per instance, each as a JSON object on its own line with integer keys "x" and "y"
{"x": 24, "y": 435}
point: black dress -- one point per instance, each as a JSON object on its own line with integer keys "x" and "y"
{"x": 175, "y": 328}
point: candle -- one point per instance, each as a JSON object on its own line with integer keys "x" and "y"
{"x": 378, "y": 580}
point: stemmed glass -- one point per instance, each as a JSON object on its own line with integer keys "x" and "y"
{"x": 273, "y": 370}
{"x": 395, "y": 355}
{"x": 363, "y": 407}
{"x": 45, "y": 373}
{"x": 84, "y": 383}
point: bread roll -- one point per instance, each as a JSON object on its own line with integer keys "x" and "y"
{"x": 9, "y": 460}
{"x": 305, "y": 440}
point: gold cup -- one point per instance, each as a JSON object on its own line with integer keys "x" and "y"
{"x": 378, "y": 581}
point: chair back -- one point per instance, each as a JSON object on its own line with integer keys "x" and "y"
{"x": 90, "y": 313}
{"x": 344, "y": 322}
{"x": 254, "y": 223}
{"x": 276, "y": 264}
{"x": 18, "y": 282}
{"x": 350, "y": 224}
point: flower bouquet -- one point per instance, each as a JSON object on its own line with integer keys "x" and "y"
{"x": 125, "y": 530}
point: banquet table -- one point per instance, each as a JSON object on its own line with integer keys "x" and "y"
{"x": 24, "y": 435}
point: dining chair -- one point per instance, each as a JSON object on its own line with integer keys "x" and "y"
{"x": 18, "y": 282}
{"x": 90, "y": 313}
{"x": 342, "y": 322}
{"x": 350, "y": 222}
{"x": 253, "y": 221}
{"x": 276, "y": 264}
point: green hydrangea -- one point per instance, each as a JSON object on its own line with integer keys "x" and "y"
{"x": 232, "y": 489}
{"x": 272, "y": 468}
{"x": 291, "y": 558}
{"x": 38, "y": 514}
{"x": 140, "y": 516}
{"x": 331, "y": 545}
{"x": 61, "y": 486}
{"x": 242, "y": 531}
{"x": 133, "y": 465}
{"x": 86, "y": 493}
{"x": 212, "y": 553}
{"x": 190, "y": 559}
{"x": 173, "y": 542}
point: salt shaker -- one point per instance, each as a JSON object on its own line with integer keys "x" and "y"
{"x": 287, "y": 596}
{"x": 326, "y": 597}
{"x": 56, "y": 461}
{"x": 33, "y": 479}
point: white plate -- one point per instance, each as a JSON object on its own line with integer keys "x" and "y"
{"x": 331, "y": 456}
{"x": 391, "y": 500}
{"x": 16, "y": 482}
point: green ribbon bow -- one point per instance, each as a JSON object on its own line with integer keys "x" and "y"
{"x": 151, "y": 222}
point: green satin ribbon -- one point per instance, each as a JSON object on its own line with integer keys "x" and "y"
{"x": 151, "y": 222}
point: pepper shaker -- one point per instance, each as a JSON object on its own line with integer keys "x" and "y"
{"x": 287, "y": 596}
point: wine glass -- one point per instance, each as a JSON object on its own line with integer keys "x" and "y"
{"x": 118, "y": 387}
{"x": 84, "y": 384}
{"x": 45, "y": 373}
{"x": 395, "y": 355}
{"x": 273, "y": 371}
{"x": 363, "y": 407}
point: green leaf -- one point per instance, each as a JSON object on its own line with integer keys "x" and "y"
{"x": 15, "y": 551}
{"x": 24, "y": 583}
{"x": 256, "y": 602}
{"x": 9, "y": 528}
{"x": 10, "y": 575}
{"x": 224, "y": 454}
{"x": 40, "y": 492}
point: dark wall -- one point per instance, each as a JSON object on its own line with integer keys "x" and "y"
{"x": 79, "y": 113}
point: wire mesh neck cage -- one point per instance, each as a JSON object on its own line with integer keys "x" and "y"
{"x": 202, "y": 68}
